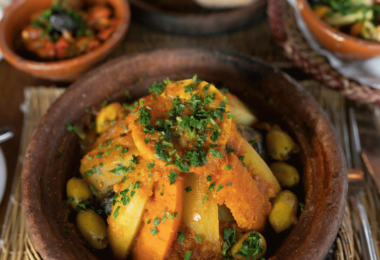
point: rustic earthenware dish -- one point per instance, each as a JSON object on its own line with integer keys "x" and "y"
{"x": 186, "y": 17}
{"x": 16, "y": 17}
{"x": 46, "y": 171}
{"x": 341, "y": 44}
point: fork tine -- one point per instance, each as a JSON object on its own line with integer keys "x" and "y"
{"x": 354, "y": 134}
{"x": 346, "y": 137}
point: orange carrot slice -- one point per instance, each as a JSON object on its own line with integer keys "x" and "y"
{"x": 161, "y": 221}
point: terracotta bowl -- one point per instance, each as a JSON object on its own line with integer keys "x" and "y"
{"x": 46, "y": 172}
{"x": 341, "y": 44}
{"x": 16, "y": 17}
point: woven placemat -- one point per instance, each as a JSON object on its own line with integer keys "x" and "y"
{"x": 15, "y": 242}
{"x": 296, "y": 48}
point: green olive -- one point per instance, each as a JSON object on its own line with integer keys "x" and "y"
{"x": 77, "y": 190}
{"x": 93, "y": 229}
{"x": 279, "y": 144}
{"x": 285, "y": 174}
{"x": 236, "y": 248}
{"x": 283, "y": 215}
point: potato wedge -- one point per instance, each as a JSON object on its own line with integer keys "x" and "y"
{"x": 197, "y": 215}
{"x": 241, "y": 112}
{"x": 125, "y": 220}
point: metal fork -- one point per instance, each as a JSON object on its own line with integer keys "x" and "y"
{"x": 347, "y": 132}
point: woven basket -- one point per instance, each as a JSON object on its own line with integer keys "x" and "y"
{"x": 288, "y": 36}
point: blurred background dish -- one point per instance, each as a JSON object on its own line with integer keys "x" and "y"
{"x": 188, "y": 18}
{"x": 17, "y": 16}
{"x": 340, "y": 44}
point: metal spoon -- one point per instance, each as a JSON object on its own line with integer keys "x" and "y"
{"x": 6, "y": 133}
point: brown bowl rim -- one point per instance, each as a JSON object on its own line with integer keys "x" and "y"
{"x": 92, "y": 56}
{"x": 319, "y": 238}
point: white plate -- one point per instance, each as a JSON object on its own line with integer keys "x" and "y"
{"x": 3, "y": 175}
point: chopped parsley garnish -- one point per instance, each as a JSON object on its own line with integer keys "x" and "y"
{"x": 188, "y": 189}
{"x": 208, "y": 178}
{"x": 229, "y": 149}
{"x": 154, "y": 231}
{"x": 144, "y": 116}
{"x": 157, "y": 88}
{"x": 172, "y": 176}
{"x": 181, "y": 236}
{"x": 274, "y": 152}
{"x": 187, "y": 255}
{"x": 302, "y": 206}
{"x": 228, "y": 167}
{"x": 106, "y": 144}
{"x": 220, "y": 187}
{"x": 224, "y": 90}
{"x": 215, "y": 136}
{"x": 150, "y": 165}
{"x": 212, "y": 186}
{"x": 93, "y": 190}
{"x": 147, "y": 140}
{"x": 189, "y": 88}
{"x": 69, "y": 127}
{"x": 252, "y": 141}
{"x": 156, "y": 221}
{"x": 229, "y": 184}
{"x": 88, "y": 173}
{"x": 198, "y": 239}
{"x": 229, "y": 239}
{"x": 116, "y": 212}
{"x": 216, "y": 154}
{"x": 205, "y": 198}
{"x": 148, "y": 222}
{"x": 251, "y": 247}
{"x": 241, "y": 158}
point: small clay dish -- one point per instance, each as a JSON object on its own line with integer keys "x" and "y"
{"x": 187, "y": 18}
{"x": 16, "y": 17}
{"x": 52, "y": 157}
{"x": 341, "y": 44}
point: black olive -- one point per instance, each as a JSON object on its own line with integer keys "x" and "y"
{"x": 62, "y": 21}
{"x": 106, "y": 202}
{"x": 255, "y": 138}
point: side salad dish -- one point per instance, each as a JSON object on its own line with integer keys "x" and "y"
{"x": 358, "y": 18}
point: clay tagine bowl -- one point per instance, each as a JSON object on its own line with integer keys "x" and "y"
{"x": 16, "y": 17}
{"x": 341, "y": 44}
{"x": 52, "y": 156}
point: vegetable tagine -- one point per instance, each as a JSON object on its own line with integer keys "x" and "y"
{"x": 359, "y": 18}
{"x": 68, "y": 29}
{"x": 180, "y": 174}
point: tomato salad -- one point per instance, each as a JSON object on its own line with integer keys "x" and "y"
{"x": 68, "y": 29}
